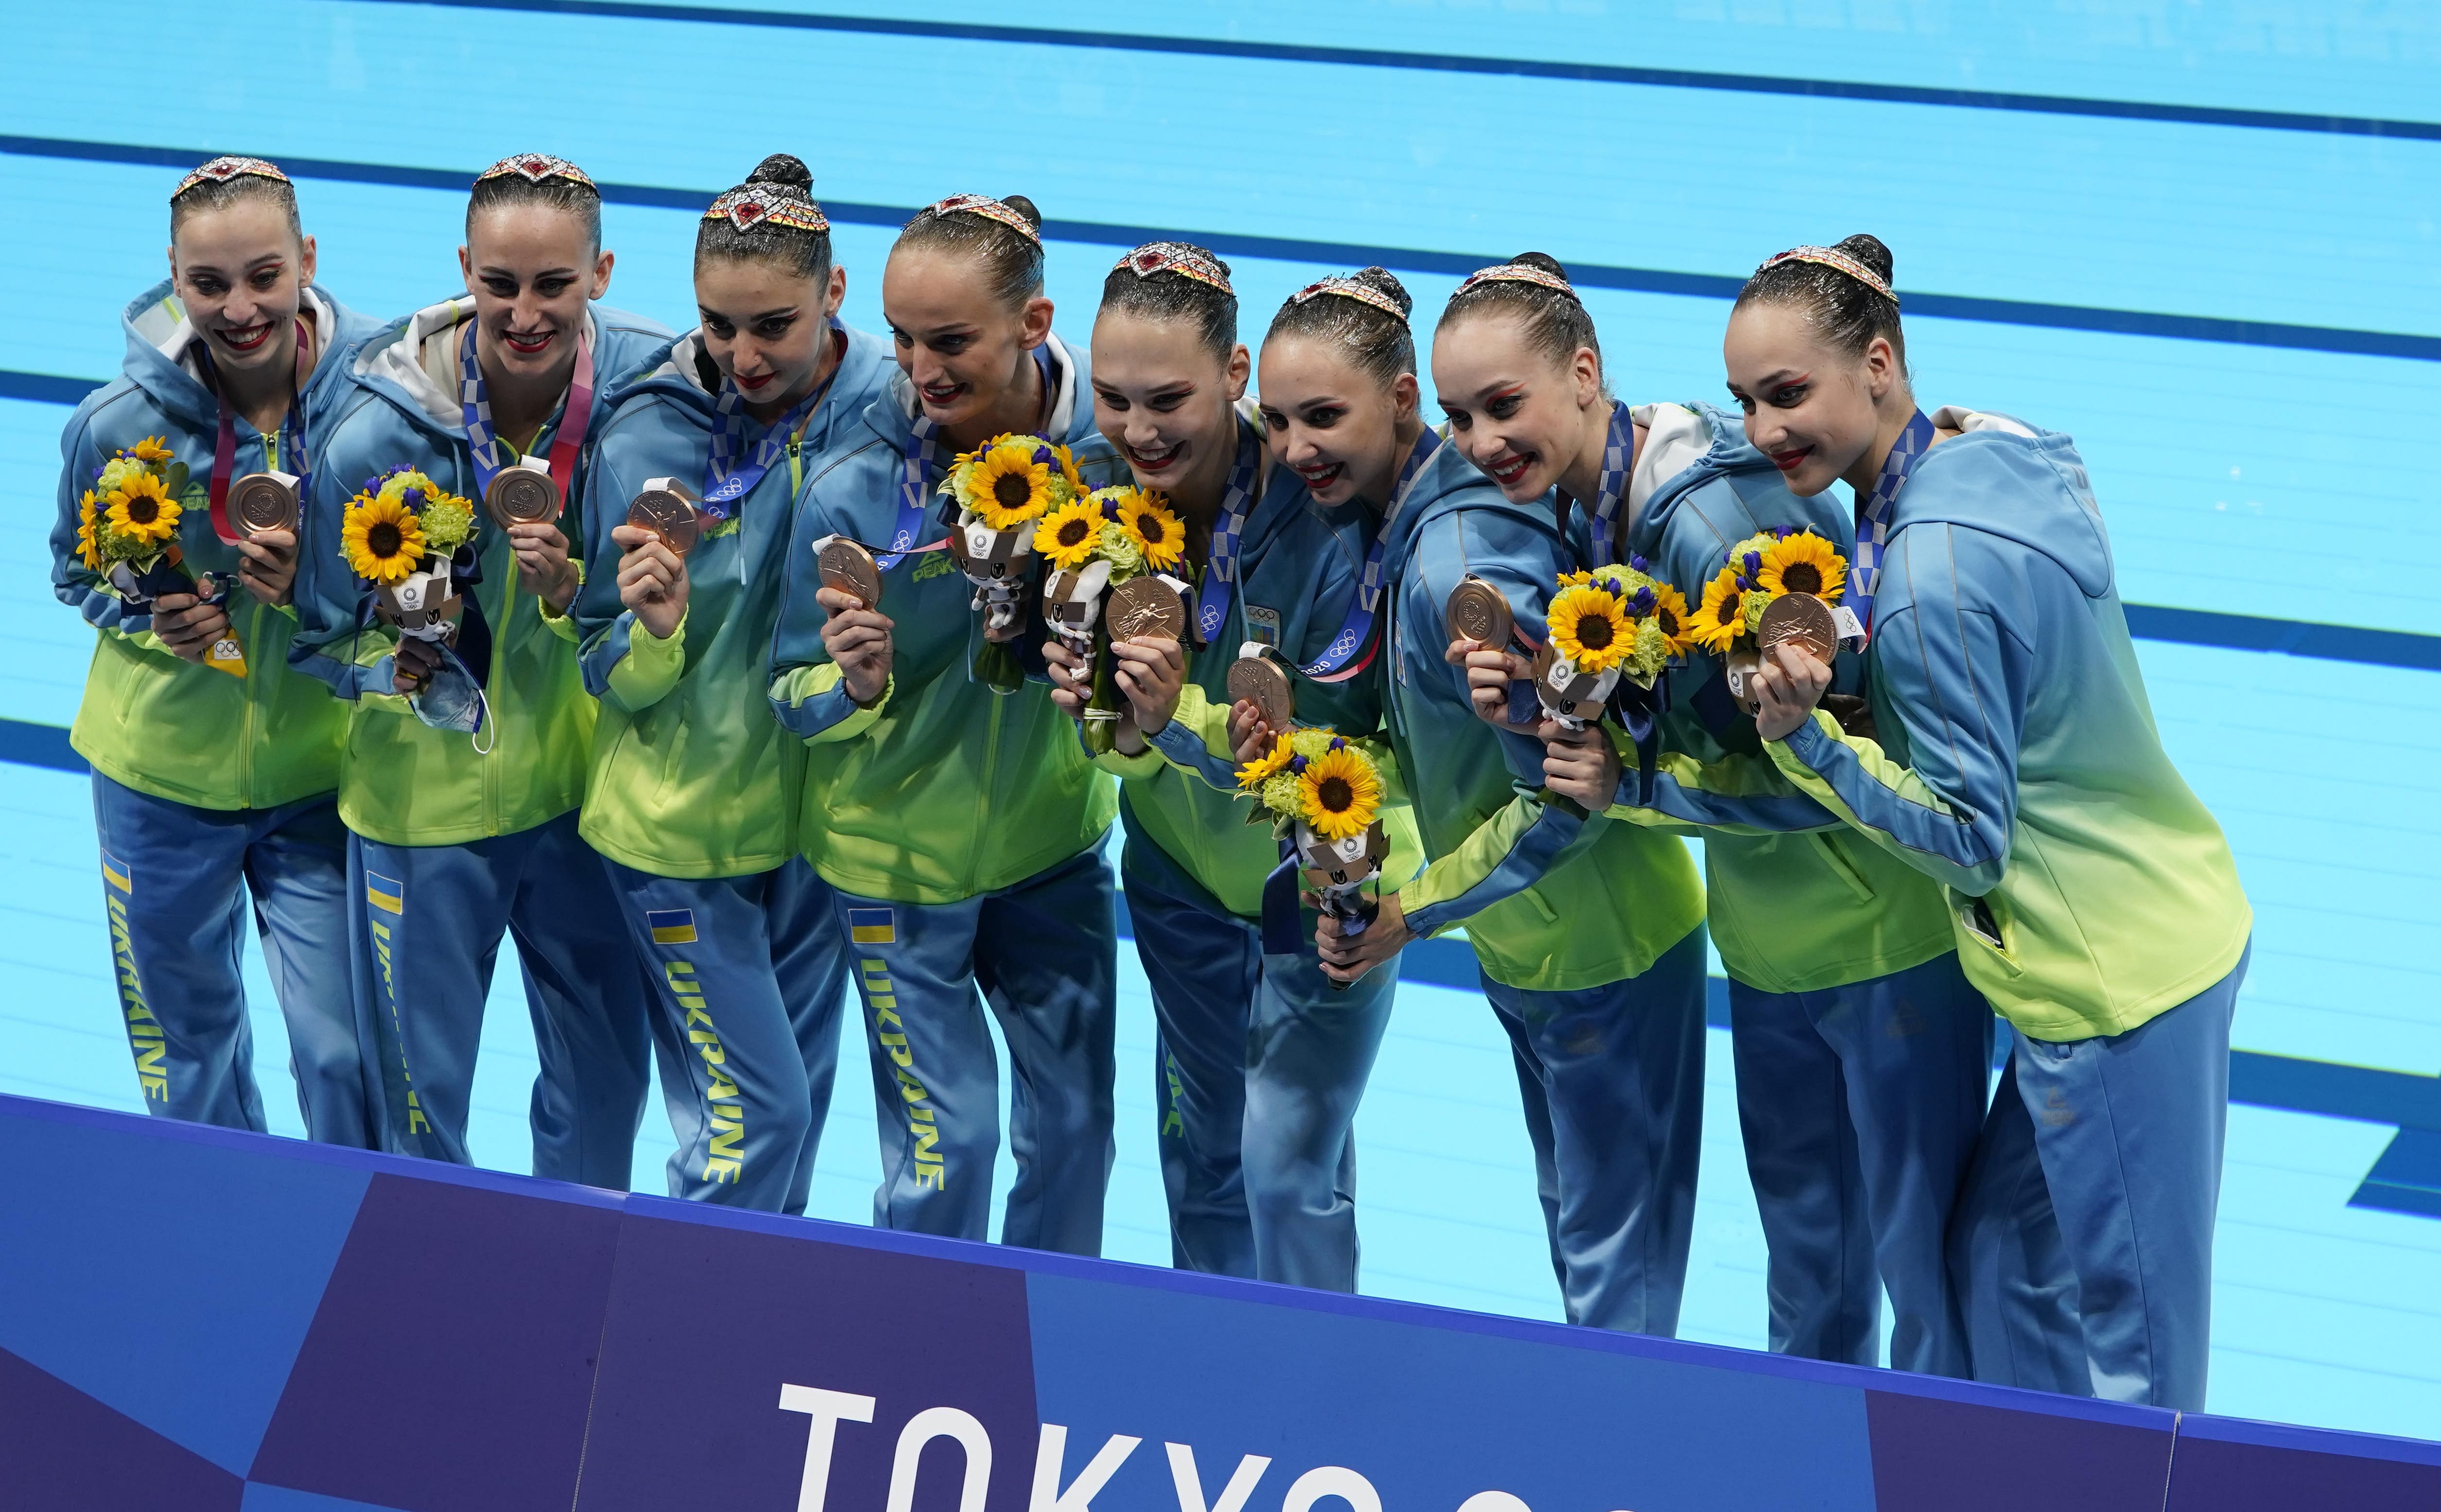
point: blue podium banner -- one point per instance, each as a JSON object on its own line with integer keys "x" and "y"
{"x": 196, "y": 1319}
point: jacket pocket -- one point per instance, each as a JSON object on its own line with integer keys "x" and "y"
{"x": 1842, "y": 865}
{"x": 1984, "y": 928}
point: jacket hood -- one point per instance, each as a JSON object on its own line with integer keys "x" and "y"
{"x": 162, "y": 358}
{"x": 391, "y": 363}
{"x": 1729, "y": 455}
{"x": 2007, "y": 478}
{"x": 1448, "y": 481}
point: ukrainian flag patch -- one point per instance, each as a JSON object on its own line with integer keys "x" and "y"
{"x": 115, "y": 873}
{"x": 671, "y": 926}
{"x": 384, "y": 892}
{"x": 873, "y": 926}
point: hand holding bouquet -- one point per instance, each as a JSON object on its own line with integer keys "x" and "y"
{"x": 127, "y": 532}
{"x": 1002, "y": 488}
{"x": 1107, "y": 551}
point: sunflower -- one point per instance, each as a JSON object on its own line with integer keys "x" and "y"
{"x": 88, "y": 516}
{"x": 1254, "y": 773}
{"x": 382, "y": 540}
{"x": 1338, "y": 793}
{"x": 1068, "y": 468}
{"x": 140, "y": 510}
{"x": 1804, "y": 562}
{"x": 1008, "y": 487}
{"x": 1149, "y": 522}
{"x": 152, "y": 449}
{"x": 1590, "y": 628}
{"x": 1669, "y": 612}
{"x": 1067, "y": 537}
{"x": 1720, "y": 618}
{"x": 1575, "y": 580}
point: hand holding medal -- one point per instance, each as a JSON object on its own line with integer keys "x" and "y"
{"x": 1482, "y": 629}
{"x": 1116, "y": 618}
{"x": 855, "y": 635}
{"x": 660, "y": 531}
{"x": 1778, "y": 588}
{"x": 263, "y": 507}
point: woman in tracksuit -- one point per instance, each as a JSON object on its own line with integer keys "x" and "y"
{"x": 962, "y": 827}
{"x": 696, "y": 791}
{"x": 209, "y": 788}
{"x": 460, "y": 834}
{"x": 2093, "y": 898}
{"x": 1589, "y": 937}
{"x": 1862, "y": 1053}
{"x": 1260, "y": 1061}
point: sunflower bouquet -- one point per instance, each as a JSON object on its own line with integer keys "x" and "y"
{"x": 1324, "y": 796}
{"x": 127, "y": 532}
{"x": 1107, "y": 554}
{"x": 1757, "y": 573}
{"x": 1608, "y": 624}
{"x": 1003, "y": 489}
{"x": 402, "y": 534}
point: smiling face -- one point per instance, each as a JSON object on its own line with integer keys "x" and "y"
{"x": 962, "y": 350}
{"x": 1809, "y": 407}
{"x": 1335, "y": 425}
{"x": 1517, "y": 414}
{"x": 531, "y": 269}
{"x": 241, "y": 274}
{"x": 1163, "y": 396}
{"x": 766, "y": 327}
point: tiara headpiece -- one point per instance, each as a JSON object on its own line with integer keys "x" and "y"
{"x": 752, "y": 204}
{"x": 534, "y": 168}
{"x": 1830, "y": 257}
{"x": 1175, "y": 257}
{"x": 221, "y": 170}
{"x": 1355, "y": 288}
{"x": 1518, "y": 273}
{"x": 990, "y": 209}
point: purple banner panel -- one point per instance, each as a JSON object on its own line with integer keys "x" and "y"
{"x": 1936, "y": 1454}
{"x": 2226, "y": 1464}
{"x": 59, "y": 1448}
{"x": 748, "y": 1363}
{"x": 451, "y": 1362}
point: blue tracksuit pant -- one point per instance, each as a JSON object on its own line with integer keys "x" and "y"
{"x": 175, "y": 881}
{"x": 1257, "y": 1067}
{"x": 749, "y": 977}
{"x": 1043, "y": 954}
{"x": 1861, "y": 1106}
{"x": 428, "y": 925}
{"x": 2083, "y": 1244}
{"x": 1613, "y": 1082}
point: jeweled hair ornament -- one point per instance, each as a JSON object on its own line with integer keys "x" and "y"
{"x": 221, "y": 170}
{"x": 1518, "y": 273}
{"x": 752, "y": 204}
{"x": 534, "y": 168}
{"x": 1355, "y": 288}
{"x": 990, "y": 209}
{"x": 1830, "y": 257}
{"x": 1175, "y": 257}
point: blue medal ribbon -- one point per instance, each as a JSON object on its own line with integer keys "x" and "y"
{"x": 1617, "y": 452}
{"x": 1356, "y": 633}
{"x": 726, "y": 480}
{"x": 1220, "y": 571}
{"x": 1873, "y": 514}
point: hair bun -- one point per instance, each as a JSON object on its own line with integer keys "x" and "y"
{"x": 782, "y": 170}
{"x": 1543, "y": 261}
{"x": 1025, "y": 207}
{"x": 1868, "y": 251}
{"x": 1209, "y": 253}
{"x": 1388, "y": 282}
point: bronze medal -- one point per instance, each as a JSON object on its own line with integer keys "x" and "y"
{"x": 1145, "y": 609}
{"x": 1803, "y": 620}
{"x": 1479, "y": 612}
{"x": 847, "y": 567}
{"x": 519, "y": 494}
{"x": 668, "y": 515}
{"x": 1264, "y": 682}
{"x": 263, "y": 501}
